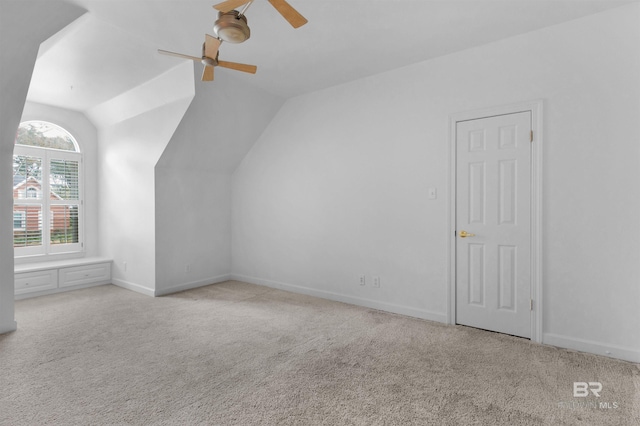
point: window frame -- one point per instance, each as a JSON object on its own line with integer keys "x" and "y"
{"x": 45, "y": 202}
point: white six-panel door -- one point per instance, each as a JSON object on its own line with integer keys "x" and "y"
{"x": 493, "y": 206}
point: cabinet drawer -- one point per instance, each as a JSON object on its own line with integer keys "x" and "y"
{"x": 86, "y": 274}
{"x": 26, "y": 282}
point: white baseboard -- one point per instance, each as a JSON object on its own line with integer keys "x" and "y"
{"x": 170, "y": 290}
{"x": 367, "y": 303}
{"x": 192, "y": 284}
{"x": 133, "y": 287}
{"x": 590, "y": 346}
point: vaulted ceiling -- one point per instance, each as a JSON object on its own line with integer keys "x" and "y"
{"x": 113, "y": 48}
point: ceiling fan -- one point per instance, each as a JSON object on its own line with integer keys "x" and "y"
{"x": 210, "y": 52}
{"x": 232, "y": 27}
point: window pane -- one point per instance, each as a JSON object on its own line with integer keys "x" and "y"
{"x": 45, "y": 135}
{"x": 27, "y": 177}
{"x": 29, "y": 229}
{"x": 47, "y": 190}
{"x": 64, "y": 224}
{"x": 63, "y": 178}
{"x": 19, "y": 220}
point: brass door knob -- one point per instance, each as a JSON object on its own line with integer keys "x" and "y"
{"x": 465, "y": 234}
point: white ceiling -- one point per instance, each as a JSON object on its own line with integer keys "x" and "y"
{"x": 113, "y": 48}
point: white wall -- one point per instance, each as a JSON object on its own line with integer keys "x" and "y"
{"x": 134, "y": 129}
{"x": 193, "y": 180}
{"x": 86, "y": 135}
{"x": 22, "y": 28}
{"x": 167, "y": 152}
{"x": 337, "y": 184}
{"x": 193, "y": 232}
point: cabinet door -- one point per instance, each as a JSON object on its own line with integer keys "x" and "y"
{"x": 27, "y": 282}
{"x": 86, "y": 274}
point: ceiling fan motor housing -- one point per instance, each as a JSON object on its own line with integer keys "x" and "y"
{"x": 232, "y": 27}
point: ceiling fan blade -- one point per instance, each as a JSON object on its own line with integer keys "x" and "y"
{"x": 211, "y": 45}
{"x": 179, "y": 55}
{"x": 207, "y": 73}
{"x": 238, "y": 67}
{"x": 229, "y": 5}
{"x": 289, "y": 13}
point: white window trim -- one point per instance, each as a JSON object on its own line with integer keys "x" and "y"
{"x": 47, "y": 249}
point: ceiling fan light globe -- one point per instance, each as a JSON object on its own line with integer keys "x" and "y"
{"x": 232, "y": 27}
{"x": 232, "y": 35}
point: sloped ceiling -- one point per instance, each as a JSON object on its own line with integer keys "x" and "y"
{"x": 113, "y": 48}
{"x": 90, "y": 62}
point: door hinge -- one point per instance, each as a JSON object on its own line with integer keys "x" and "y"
{"x": 531, "y": 136}
{"x": 531, "y": 304}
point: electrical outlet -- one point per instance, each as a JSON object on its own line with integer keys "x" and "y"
{"x": 433, "y": 193}
{"x": 187, "y": 268}
{"x": 363, "y": 280}
{"x": 376, "y": 282}
{"x": 124, "y": 266}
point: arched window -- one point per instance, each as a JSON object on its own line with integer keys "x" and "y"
{"x": 32, "y": 192}
{"x": 47, "y": 190}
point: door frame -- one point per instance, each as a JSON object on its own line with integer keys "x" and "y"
{"x": 536, "y": 109}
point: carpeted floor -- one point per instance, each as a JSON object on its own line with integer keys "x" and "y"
{"x": 240, "y": 354}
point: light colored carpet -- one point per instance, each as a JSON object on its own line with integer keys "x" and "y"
{"x": 240, "y": 354}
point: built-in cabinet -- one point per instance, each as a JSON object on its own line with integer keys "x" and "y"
{"x": 29, "y": 282}
{"x": 52, "y": 277}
